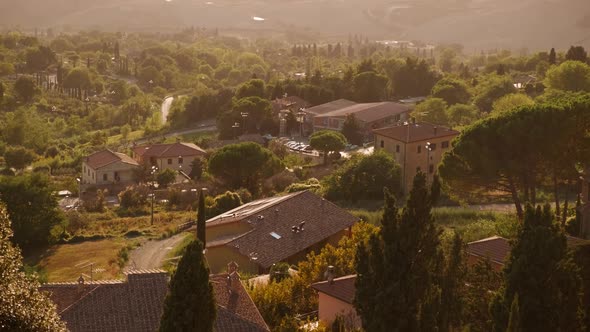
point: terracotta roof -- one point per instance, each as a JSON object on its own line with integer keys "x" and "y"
{"x": 497, "y": 248}
{"x": 168, "y": 150}
{"x": 271, "y": 238}
{"x": 107, "y": 157}
{"x": 369, "y": 112}
{"x": 341, "y": 288}
{"x": 420, "y": 131}
{"x": 329, "y": 107}
{"x": 137, "y": 304}
{"x": 236, "y": 312}
{"x": 134, "y": 305}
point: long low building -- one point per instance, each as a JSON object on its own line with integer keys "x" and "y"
{"x": 368, "y": 115}
{"x": 261, "y": 233}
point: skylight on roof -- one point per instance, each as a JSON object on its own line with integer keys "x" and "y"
{"x": 275, "y": 235}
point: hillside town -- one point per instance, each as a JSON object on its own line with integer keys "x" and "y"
{"x": 196, "y": 181}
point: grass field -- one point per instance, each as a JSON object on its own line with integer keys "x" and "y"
{"x": 68, "y": 261}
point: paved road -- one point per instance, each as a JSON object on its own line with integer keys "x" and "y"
{"x": 152, "y": 254}
{"x": 166, "y": 108}
{"x": 201, "y": 127}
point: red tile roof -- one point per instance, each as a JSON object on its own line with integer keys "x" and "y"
{"x": 341, "y": 288}
{"x": 168, "y": 150}
{"x": 329, "y": 107}
{"x": 420, "y": 131}
{"x": 135, "y": 305}
{"x": 271, "y": 238}
{"x": 106, "y": 157}
{"x": 369, "y": 112}
{"x": 497, "y": 248}
{"x": 236, "y": 311}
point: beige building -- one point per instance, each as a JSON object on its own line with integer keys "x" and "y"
{"x": 415, "y": 147}
{"x": 176, "y": 156}
{"x": 108, "y": 168}
{"x": 336, "y": 301}
{"x": 286, "y": 228}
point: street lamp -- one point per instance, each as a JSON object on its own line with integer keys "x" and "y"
{"x": 236, "y": 126}
{"x": 153, "y": 186}
{"x": 301, "y": 119}
{"x": 86, "y": 101}
{"x": 244, "y": 116}
{"x": 428, "y": 149}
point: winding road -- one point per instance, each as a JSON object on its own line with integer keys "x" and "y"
{"x": 152, "y": 254}
{"x": 166, "y": 108}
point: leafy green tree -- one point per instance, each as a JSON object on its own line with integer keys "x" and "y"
{"x": 543, "y": 278}
{"x": 351, "y": 129}
{"x": 197, "y": 166}
{"x": 461, "y": 114}
{"x": 19, "y": 157}
{"x": 166, "y": 177}
{"x": 32, "y": 207}
{"x": 412, "y": 78}
{"x": 399, "y": 270}
{"x": 225, "y": 202}
{"x": 492, "y": 89}
{"x": 39, "y": 58}
{"x": 133, "y": 197}
{"x": 364, "y": 177}
{"x": 327, "y": 141}
{"x": 1, "y": 92}
{"x": 576, "y": 53}
{"x": 258, "y": 112}
{"x": 481, "y": 281}
{"x": 201, "y": 220}
{"x": 510, "y": 102}
{"x": 22, "y": 306}
{"x": 190, "y": 303}
{"x": 252, "y": 88}
{"x": 569, "y": 76}
{"x": 78, "y": 78}
{"x": 244, "y": 165}
{"x": 24, "y": 87}
{"x": 452, "y": 90}
{"x": 432, "y": 110}
{"x": 369, "y": 87}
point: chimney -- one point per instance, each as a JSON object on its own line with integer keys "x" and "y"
{"x": 80, "y": 284}
{"x": 233, "y": 278}
{"x": 177, "y": 139}
{"x": 330, "y": 275}
{"x": 435, "y": 130}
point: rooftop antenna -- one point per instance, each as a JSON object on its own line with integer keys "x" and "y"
{"x": 88, "y": 264}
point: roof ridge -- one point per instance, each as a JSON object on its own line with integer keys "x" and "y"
{"x": 494, "y": 237}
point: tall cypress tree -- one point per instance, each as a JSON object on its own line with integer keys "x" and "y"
{"x": 399, "y": 272}
{"x": 201, "y": 220}
{"x": 552, "y": 57}
{"x": 544, "y": 277}
{"x": 190, "y": 303}
{"x": 451, "y": 312}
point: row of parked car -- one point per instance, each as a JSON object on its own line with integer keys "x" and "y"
{"x": 298, "y": 146}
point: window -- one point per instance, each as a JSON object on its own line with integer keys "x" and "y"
{"x": 432, "y": 146}
{"x": 444, "y": 145}
{"x": 382, "y": 144}
{"x": 419, "y": 148}
{"x": 180, "y": 160}
{"x": 105, "y": 177}
{"x": 92, "y": 176}
{"x": 431, "y": 169}
{"x": 169, "y": 161}
{"x": 397, "y": 148}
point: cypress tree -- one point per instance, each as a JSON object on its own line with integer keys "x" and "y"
{"x": 514, "y": 320}
{"x": 451, "y": 313}
{"x": 552, "y": 57}
{"x": 201, "y": 220}
{"x": 399, "y": 272}
{"x": 546, "y": 280}
{"x": 190, "y": 303}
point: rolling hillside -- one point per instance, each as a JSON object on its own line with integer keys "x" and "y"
{"x": 474, "y": 23}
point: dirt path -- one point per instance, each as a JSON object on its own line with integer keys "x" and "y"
{"x": 151, "y": 254}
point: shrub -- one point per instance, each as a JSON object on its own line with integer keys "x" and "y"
{"x": 133, "y": 197}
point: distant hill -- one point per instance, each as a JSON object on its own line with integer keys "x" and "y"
{"x": 535, "y": 24}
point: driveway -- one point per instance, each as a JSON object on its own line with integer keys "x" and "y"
{"x": 152, "y": 254}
